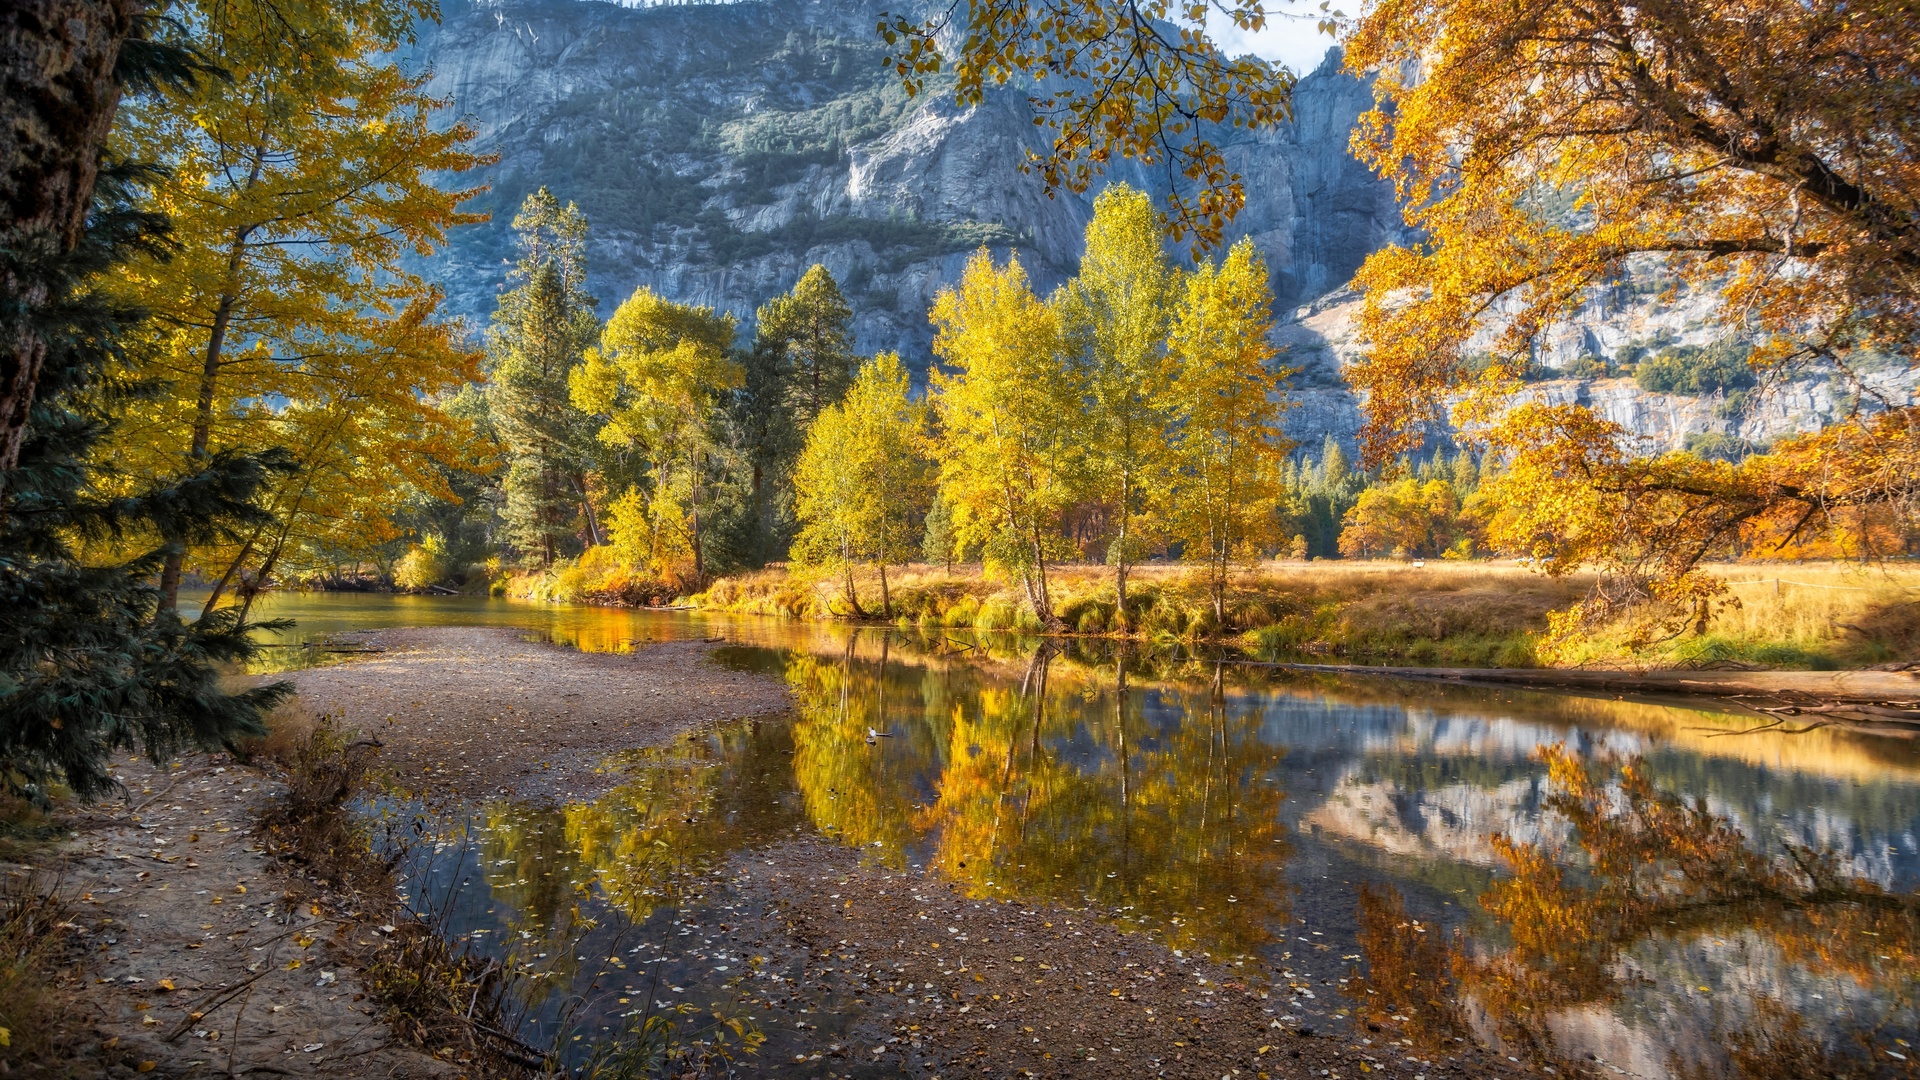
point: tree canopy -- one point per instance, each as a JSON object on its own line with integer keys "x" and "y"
{"x": 1140, "y": 79}
{"x": 1762, "y": 150}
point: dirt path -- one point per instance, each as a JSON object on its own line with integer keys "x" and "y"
{"x": 196, "y": 955}
{"x": 479, "y": 712}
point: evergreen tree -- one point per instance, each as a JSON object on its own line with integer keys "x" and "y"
{"x": 801, "y": 362}
{"x": 1465, "y": 474}
{"x": 540, "y": 330}
{"x": 810, "y": 331}
{"x": 937, "y": 542}
{"x": 91, "y": 659}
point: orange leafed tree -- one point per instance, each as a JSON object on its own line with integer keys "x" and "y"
{"x": 1760, "y": 149}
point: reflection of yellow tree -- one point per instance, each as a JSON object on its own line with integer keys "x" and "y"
{"x": 1650, "y": 870}
{"x": 851, "y": 787}
{"x": 1177, "y": 830}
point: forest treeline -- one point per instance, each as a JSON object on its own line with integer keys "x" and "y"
{"x": 221, "y": 365}
{"x": 1134, "y": 414}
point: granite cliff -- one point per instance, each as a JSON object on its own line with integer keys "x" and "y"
{"x": 721, "y": 149}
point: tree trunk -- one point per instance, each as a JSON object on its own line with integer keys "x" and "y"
{"x": 1122, "y": 622}
{"x": 594, "y": 537}
{"x": 886, "y": 598}
{"x": 1042, "y": 601}
{"x": 58, "y": 95}
{"x": 202, "y": 436}
{"x": 693, "y": 500}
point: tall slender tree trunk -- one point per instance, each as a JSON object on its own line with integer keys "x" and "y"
{"x": 1042, "y": 599}
{"x": 1123, "y": 620}
{"x": 886, "y": 598}
{"x": 58, "y": 95}
{"x": 693, "y": 499}
{"x": 202, "y": 434}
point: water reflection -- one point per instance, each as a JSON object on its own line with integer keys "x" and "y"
{"x": 1408, "y": 837}
{"x": 1658, "y": 910}
{"x": 1160, "y": 808}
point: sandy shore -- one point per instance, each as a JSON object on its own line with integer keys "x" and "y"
{"x": 482, "y": 712}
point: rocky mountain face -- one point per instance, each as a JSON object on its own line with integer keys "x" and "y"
{"x": 721, "y": 149}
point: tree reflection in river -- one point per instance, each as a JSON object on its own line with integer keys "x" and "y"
{"x": 1053, "y": 789}
{"x": 1648, "y": 879}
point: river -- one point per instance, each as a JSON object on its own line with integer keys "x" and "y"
{"x": 1359, "y": 845}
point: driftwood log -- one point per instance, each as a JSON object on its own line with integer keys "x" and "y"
{"x": 1886, "y": 702}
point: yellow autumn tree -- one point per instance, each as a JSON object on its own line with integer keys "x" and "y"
{"x": 1008, "y": 412}
{"x": 1114, "y": 316}
{"x": 863, "y": 482}
{"x": 1764, "y": 150}
{"x": 286, "y": 315}
{"x": 1227, "y": 445}
{"x": 657, "y": 380}
{"x": 1404, "y": 516}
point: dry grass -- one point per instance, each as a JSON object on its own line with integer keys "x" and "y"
{"x": 1821, "y": 615}
{"x": 33, "y": 1008}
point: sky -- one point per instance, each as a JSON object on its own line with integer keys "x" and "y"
{"x": 1295, "y": 42}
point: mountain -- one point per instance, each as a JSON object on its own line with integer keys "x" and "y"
{"x": 721, "y": 149}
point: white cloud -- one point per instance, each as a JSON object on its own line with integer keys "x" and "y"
{"x": 1294, "y": 42}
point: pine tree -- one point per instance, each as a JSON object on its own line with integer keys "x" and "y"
{"x": 91, "y": 659}
{"x": 810, "y": 330}
{"x": 800, "y": 363}
{"x": 540, "y": 331}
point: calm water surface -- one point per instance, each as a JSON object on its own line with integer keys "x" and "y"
{"x": 1635, "y": 882}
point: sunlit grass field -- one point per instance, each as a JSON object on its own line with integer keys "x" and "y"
{"x": 1798, "y": 615}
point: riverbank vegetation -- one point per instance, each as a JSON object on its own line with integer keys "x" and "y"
{"x": 229, "y": 368}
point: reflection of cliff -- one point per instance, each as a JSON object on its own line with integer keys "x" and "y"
{"x": 1673, "y": 947}
{"x": 1452, "y": 822}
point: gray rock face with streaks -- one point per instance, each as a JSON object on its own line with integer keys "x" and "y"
{"x": 719, "y": 150}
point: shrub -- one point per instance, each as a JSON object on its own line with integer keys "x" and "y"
{"x": 425, "y": 564}
{"x": 1693, "y": 370}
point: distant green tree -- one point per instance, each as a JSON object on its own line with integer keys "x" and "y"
{"x": 1695, "y": 370}
{"x": 810, "y": 330}
{"x": 937, "y": 543}
{"x": 800, "y": 363}
{"x": 540, "y": 331}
